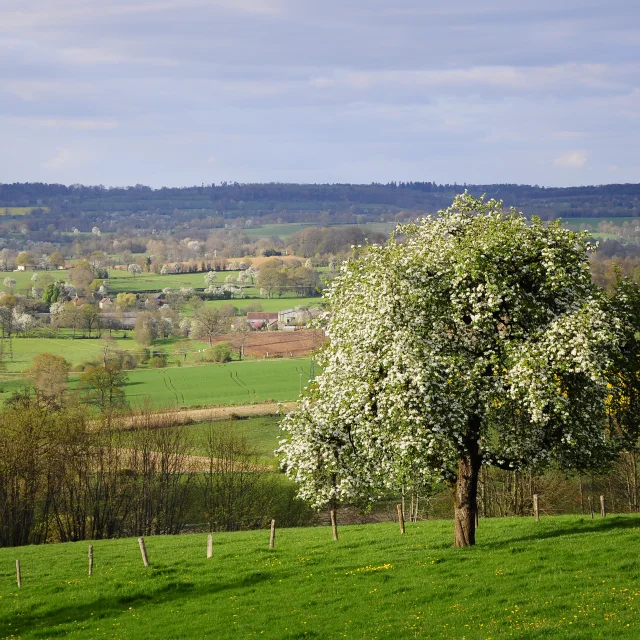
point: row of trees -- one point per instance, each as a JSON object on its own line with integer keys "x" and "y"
{"x": 66, "y": 477}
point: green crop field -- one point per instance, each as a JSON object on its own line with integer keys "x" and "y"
{"x": 75, "y": 351}
{"x": 23, "y": 278}
{"x": 234, "y": 383}
{"x": 565, "y": 578}
{"x": 120, "y": 280}
{"x": 19, "y": 211}
{"x": 281, "y": 230}
{"x": 269, "y": 304}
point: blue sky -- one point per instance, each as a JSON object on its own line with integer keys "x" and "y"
{"x": 161, "y": 92}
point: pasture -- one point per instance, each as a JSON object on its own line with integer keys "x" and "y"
{"x": 563, "y": 578}
{"x": 75, "y": 351}
{"x": 261, "y": 432}
{"x": 24, "y": 282}
{"x": 19, "y": 211}
{"x": 121, "y": 280}
{"x": 233, "y": 383}
{"x": 268, "y": 304}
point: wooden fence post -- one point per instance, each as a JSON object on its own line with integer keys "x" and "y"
{"x": 90, "y": 560}
{"x": 401, "y": 518}
{"x": 590, "y": 507}
{"x": 334, "y": 525}
{"x": 18, "y": 574}
{"x": 209, "y": 546}
{"x": 143, "y": 551}
{"x": 272, "y": 537}
{"x": 536, "y": 510}
{"x": 603, "y": 511}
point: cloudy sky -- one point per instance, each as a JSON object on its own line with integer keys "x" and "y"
{"x": 180, "y": 92}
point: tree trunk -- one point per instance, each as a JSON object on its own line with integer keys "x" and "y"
{"x": 466, "y": 490}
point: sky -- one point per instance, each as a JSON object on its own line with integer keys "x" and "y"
{"x": 183, "y": 92}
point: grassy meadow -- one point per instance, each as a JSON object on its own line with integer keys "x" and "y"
{"x": 121, "y": 280}
{"x": 261, "y": 432}
{"x": 233, "y": 383}
{"x": 564, "y": 577}
{"x": 75, "y": 351}
{"x": 269, "y": 304}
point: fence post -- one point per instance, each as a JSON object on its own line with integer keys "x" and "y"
{"x": 90, "y": 560}
{"x": 603, "y": 511}
{"x": 18, "y": 574}
{"x": 401, "y": 518}
{"x": 272, "y": 537}
{"x": 143, "y": 551}
{"x": 536, "y": 511}
{"x": 334, "y": 525}
{"x": 209, "y": 546}
{"x": 590, "y": 507}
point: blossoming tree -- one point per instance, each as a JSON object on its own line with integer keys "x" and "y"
{"x": 473, "y": 338}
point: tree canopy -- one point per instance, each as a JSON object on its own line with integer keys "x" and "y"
{"x": 474, "y": 338}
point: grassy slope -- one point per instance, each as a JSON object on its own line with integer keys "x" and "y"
{"x": 563, "y": 577}
{"x": 261, "y": 432}
{"x": 120, "y": 280}
{"x": 232, "y": 383}
{"x": 270, "y": 304}
{"x": 75, "y": 351}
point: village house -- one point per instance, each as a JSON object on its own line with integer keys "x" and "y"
{"x": 262, "y": 319}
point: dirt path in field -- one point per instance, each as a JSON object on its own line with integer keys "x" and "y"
{"x": 187, "y": 416}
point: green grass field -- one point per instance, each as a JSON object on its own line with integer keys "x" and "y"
{"x": 234, "y": 383}
{"x": 268, "y": 304}
{"x": 565, "y": 578}
{"x": 281, "y": 230}
{"x": 23, "y": 278}
{"x": 261, "y": 432}
{"x": 19, "y": 211}
{"x": 120, "y": 280}
{"x": 75, "y": 351}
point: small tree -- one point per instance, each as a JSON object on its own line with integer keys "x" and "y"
{"x": 134, "y": 269}
{"x": 220, "y": 352}
{"x": 477, "y": 340}
{"x": 103, "y": 387}
{"x": 208, "y": 323}
{"x": 24, "y": 259}
{"x": 56, "y": 259}
{"x": 50, "y": 375}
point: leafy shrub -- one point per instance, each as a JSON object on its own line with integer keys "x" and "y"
{"x": 220, "y": 352}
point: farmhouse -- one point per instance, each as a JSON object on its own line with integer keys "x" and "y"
{"x": 262, "y": 319}
{"x": 288, "y": 316}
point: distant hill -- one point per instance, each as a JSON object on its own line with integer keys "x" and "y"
{"x": 305, "y": 202}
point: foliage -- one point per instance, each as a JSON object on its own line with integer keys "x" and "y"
{"x": 50, "y": 375}
{"x": 220, "y": 352}
{"x": 478, "y": 339}
{"x": 208, "y": 323}
{"x": 103, "y": 387}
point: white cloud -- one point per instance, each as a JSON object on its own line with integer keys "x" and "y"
{"x": 571, "y": 160}
{"x": 64, "y": 159}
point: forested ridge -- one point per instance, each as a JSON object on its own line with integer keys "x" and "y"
{"x": 303, "y": 202}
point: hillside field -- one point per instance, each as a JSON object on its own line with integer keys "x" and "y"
{"x": 234, "y": 383}
{"x": 563, "y": 578}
